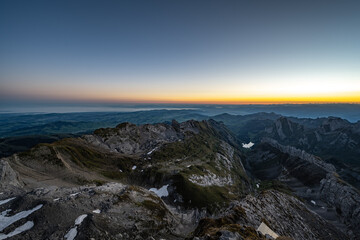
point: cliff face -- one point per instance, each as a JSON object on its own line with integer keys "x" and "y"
{"x": 309, "y": 177}
{"x": 8, "y": 177}
{"x": 345, "y": 198}
{"x": 284, "y": 214}
{"x": 129, "y": 138}
{"x": 287, "y": 216}
{"x": 332, "y": 138}
{"x": 302, "y": 154}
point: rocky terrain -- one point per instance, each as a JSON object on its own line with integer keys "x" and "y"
{"x": 189, "y": 180}
{"x": 309, "y": 177}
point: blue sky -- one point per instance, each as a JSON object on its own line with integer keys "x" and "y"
{"x": 180, "y": 51}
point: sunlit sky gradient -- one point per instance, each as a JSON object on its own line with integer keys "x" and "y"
{"x": 180, "y": 51}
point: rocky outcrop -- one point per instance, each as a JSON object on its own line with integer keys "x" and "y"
{"x": 284, "y": 214}
{"x": 270, "y": 160}
{"x": 129, "y": 138}
{"x": 345, "y": 198}
{"x": 331, "y": 124}
{"x": 295, "y": 152}
{"x": 8, "y": 177}
{"x": 311, "y": 178}
{"x": 287, "y": 216}
{"x": 110, "y": 211}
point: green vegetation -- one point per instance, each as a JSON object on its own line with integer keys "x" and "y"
{"x": 276, "y": 185}
{"x": 202, "y": 197}
{"x": 155, "y": 207}
{"x": 199, "y": 151}
{"x": 212, "y": 227}
{"x": 43, "y": 152}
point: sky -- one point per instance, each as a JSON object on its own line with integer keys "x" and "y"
{"x": 235, "y": 52}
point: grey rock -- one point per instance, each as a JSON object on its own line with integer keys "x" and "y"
{"x": 8, "y": 177}
{"x": 345, "y": 198}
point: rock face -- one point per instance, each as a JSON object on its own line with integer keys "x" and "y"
{"x": 132, "y": 139}
{"x": 284, "y": 214}
{"x": 335, "y": 140}
{"x": 271, "y": 160}
{"x": 9, "y": 178}
{"x": 287, "y": 216}
{"x": 345, "y": 198}
{"x": 303, "y": 155}
{"x": 309, "y": 177}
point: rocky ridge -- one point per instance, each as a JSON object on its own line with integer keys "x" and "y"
{"x": 161, "y": 181}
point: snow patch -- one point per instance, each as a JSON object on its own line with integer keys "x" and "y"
{"x": 7, "y": 221}
{"x": 258, "y": 185}
{"x": 151, "y": 151}
{"x": 80, "y": 219}
{"x": 71, "y": 234}
{"x": 313, "y": 202}
{"x": 247, "y": 145}
{"x": 161, "y": 192}
{"x": 6, "y": 200}
{"x": 133, "y": 168}
{"x": 74, "y": 194}
{"x": 26, "y": 226}
{"x": 56, "y": 199}
{"x": 97, "y": 211}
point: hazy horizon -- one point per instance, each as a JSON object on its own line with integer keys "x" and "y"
{"x": 351, "y": 112}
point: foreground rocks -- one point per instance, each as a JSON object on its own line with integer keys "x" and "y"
{"x": 284, "y": 214}
{"x": 111, "y": 211}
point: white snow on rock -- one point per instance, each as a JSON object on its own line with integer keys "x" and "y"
{"x": 71, "y": 234}
{"x": 97, "y": 211}
{"x": 26, "y": 226}
{"x": 7, "y": 221}
{"x": 210, "y": 179}
{"x": 247, "y": 145}
{"x": 133, "y": 168}
{"x": 258, "y": 185}
{"x": 161, "y": 192}
{"x": 313, "y": 202}
{"x": 80, "y": 219}
{"x": 74, "y": 194}
{"x": 6, "y": 200}
{"x": 151, "y": 151}
{"x": 56, "y": 199}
